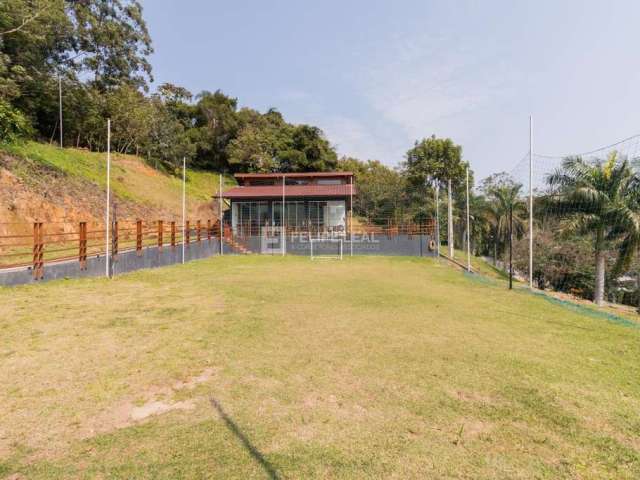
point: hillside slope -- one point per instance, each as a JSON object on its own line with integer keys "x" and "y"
{"x": 68, "y": 185}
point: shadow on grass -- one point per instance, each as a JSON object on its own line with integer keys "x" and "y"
{"x": 246, "y": 443}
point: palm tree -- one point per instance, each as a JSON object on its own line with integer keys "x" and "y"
{"x": 504, "y": 199}
{"x": 601, "y": 199}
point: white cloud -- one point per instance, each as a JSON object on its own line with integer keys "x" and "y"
{"x": 419, "y": 83}
{"x": 352, "y": 137}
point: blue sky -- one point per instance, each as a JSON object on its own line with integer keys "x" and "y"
{"x": 377, "y": 75}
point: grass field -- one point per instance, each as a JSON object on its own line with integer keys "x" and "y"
{"x": 269, "y": 367}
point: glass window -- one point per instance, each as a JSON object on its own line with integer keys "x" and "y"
{"x": 316, "y": 215}
{"x": 330, "y": 181}
{"x": 334, "y": 214}
{"x": 296, "y": 181}
{"x": 249, "y": 216}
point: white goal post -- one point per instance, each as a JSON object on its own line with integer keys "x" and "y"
{"x": 319, "y": 248}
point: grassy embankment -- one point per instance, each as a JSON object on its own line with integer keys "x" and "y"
{"x": 131, "y": 178}
{"x": 265, "y": 367}
{"x": 64, "y": 186}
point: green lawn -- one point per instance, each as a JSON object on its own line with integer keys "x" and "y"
{"x": 270, "y": 367}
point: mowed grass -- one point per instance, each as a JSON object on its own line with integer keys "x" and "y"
{"x": 269, "y": 367}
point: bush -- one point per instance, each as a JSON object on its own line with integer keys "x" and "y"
{"x": 13, "y": 124}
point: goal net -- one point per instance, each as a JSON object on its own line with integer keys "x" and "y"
{"x": 326, "y": 248}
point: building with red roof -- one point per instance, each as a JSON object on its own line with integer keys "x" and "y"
{"x": 311, "y": 202}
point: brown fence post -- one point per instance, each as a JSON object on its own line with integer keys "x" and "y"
{"x": 187, "y": 233}
{"x": 38, "y": 251}
{"x": 209, "y": 230}
{"x": 82, "y": 250}
{"x": 114, "y": 242}
{"x": 139, "y": 237}
{"x": 173, "y": 234}
{"x": 198, "y": 231}
{"x": 160, "y": 234}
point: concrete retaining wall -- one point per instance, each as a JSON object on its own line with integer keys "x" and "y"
{"x": 151, "y": 257}
{"x": 407, "y": 245}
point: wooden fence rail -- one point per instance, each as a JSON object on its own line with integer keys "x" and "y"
{"x": 34, "y": 245}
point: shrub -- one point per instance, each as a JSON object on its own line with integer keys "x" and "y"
{"x": 13, "y": 124}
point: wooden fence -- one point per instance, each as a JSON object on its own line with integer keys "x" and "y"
{"x": 34, "y": 245}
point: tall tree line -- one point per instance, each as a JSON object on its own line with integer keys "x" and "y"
{"x": 98, "y": 51}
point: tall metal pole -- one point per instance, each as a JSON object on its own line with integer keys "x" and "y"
{"x": 220, "y": 214}
{"x": 107, "y": 226}
{"x": 468, "y": 225}
{"x": 184, "y": 204}
{"x": 530, "y": 201}
{"x": 282, "y": 233}
{"x": 351, "y": 214}
{"x": 60, "y": 105}
{"x": 511, "y": 246}
{"x": 438, "y": 220}
{"x": 450, "y": 221}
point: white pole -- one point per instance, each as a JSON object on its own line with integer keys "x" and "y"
{"x": 468, "y": 228}
{"x": 530, "y": 201}
{"x": 450, "y": 222}
{"x": 106, "y": 221}
{"x": 351, "y": 214}
{"x": 60, "y": 105}
{"x": 220, "y": 214}
{"x": 184, "y": 203}
{"x": 282, "y": 233}
{"x": 438, "y": 220}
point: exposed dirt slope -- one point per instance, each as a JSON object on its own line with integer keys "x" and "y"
{"x": 68, "y": 186}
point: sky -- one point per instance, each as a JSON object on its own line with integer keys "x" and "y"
{"x": 378, "y": 75}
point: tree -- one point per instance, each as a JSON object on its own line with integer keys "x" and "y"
{"x": 563, "y": 264}
{"x": 13, "y": 125}
{"x": 252, "y": 151}
{"x": 380, "y": 190}
{"x": 103, "y": 42}
{"x": 215, "y": 123}
{"x": 600, "y": 199}
{"x": 166, "y": 140}
{"x": 503, "y": 203}
{"x": 131, "y": 118}
{"x": 306, "y": 150}
{"x": 435, "y": 160}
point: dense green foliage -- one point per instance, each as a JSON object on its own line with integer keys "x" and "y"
{"x": 13, "y": 124}
{"x": 587, "y": 228}
{"x": 600, "y": 199}
{"x": 97, "y": 52}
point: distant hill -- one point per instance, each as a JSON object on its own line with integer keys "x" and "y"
{"x": 40, "y": 181}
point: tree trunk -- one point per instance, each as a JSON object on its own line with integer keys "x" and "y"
{"x": 598, "y": 295}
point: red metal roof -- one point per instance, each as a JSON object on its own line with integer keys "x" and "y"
{"x": 294, "y": 175}
{"x": 275, "y": 191}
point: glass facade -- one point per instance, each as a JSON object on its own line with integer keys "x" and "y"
{"x": 300, "y": 215}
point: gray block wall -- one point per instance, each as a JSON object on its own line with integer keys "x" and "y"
{"x": 151, "y": 257}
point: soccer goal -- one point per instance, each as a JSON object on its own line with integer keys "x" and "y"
{"x": 330, "y": 248}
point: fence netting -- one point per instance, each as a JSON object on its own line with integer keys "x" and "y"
{"x": 586, "y": 222}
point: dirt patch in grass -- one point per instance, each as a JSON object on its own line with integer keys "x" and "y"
{"x": 158, "y": 400}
